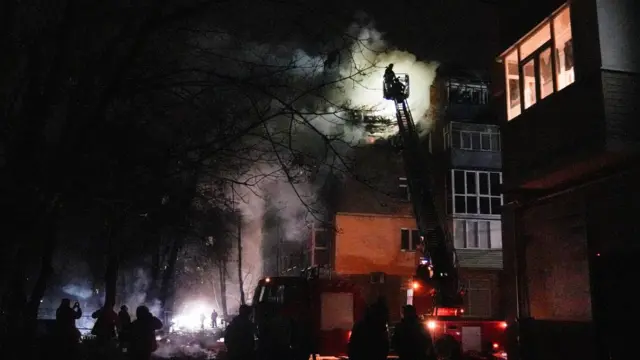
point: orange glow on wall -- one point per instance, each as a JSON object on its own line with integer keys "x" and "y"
{"x": 368, "y": 243}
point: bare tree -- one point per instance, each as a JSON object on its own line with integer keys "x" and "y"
{"x": 105, "y": 119}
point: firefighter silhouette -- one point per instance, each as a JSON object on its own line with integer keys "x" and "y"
{"x": 393, "y": 85}
{"x": 67, "y": 335}
{"x": 239, "y": 336}
{"x": 143, "y": 334}
{"x": 410, "y": 339}
{"x": 369, "y": 336}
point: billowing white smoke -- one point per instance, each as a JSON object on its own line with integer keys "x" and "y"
{"x": 363, "y": 74}
{"x": 77, "y": 291}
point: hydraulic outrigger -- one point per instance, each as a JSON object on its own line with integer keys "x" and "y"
{"x": 438, "y": 265}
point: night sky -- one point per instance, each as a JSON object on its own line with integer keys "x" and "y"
{"x": 460, "y": 31}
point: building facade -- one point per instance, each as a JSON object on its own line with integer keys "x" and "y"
{"x": 465, "y": 146}
{"x": 570, "y": 75}
{"x": 375, "y": 236}
{"x": 370, "y": 242}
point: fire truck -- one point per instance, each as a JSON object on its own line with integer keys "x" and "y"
{"x": 437, "y": 294}
{"x": 313, "y": 313}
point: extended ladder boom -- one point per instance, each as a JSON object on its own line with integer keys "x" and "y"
{"x": 437, "y": 249}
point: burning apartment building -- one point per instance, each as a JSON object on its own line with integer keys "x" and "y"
{"x": 465, "y": 147}
{"x": 569, "y": 74}
{"x": 374, "y": 240}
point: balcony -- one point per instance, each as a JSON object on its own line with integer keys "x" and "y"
{"x": 478, "y": 242}
{"x": 473, "y": 145}
{"x": 567, "y": 117}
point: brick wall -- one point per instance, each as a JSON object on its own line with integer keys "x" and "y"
{"x": 366, "y": 243}
{"x": 557, "y": 267}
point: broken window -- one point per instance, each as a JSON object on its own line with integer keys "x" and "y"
{"x": 468, "y": 94}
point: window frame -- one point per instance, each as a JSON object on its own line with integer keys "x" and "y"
{"x": 492, "y": 224}
{"x": 535, "y": 56}
{"x": 413, "y": 246}
{"x": 315, "y": 239}
{"x": 403, "y": 183}
{"x": 446, "y": 134}
{"x": 477, "y": 193}
{"x": 492, "y": 148}
{"x": 482, "y": 89}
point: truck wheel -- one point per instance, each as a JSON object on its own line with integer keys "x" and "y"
{"x": 447, "y": 348}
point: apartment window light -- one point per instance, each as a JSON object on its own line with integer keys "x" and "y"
{"x": 540, "y": 64}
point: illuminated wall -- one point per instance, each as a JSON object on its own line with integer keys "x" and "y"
{"x": 368, "y": 243}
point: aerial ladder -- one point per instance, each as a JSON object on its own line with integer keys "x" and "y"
{"x": 438, "y": 263}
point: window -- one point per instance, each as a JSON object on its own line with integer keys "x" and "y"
{"x": 478, "y": 298}
{"x": 409, "y": 239}
{"x": 377, "y": 278}
{"x": 403, "y": 187}
{"x": 322, "y": 243}
{"x": 475, "y": 140}
{"x": 446, "y": 136}
{"x": 409, "y": 296}
{"x": 512, "y": 74}
{"x": 477, "y": 234}
{"x": 322, "y": 239}
{"x": 469, "y": 94}
{"x": 476, "y": 192}
{"x": 563, "y": 48}
{"x": 540, "y": 65}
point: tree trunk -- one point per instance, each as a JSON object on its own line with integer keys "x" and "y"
{"x": 152, "y": 291}
{"x": 240, "y": 282}
{"x": 111, "y": 273}
{"x": 223, "y": 287}
{"x": 166, "y": 287}
{"x": 50, "y": 237}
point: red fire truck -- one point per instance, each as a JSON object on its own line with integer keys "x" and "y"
{"x": 314, "y": 314}
{"x": 437, "y": 294}
{"x": 452, "y": 332}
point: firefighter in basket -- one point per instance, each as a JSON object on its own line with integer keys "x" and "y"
{"x": 394, "y": 89}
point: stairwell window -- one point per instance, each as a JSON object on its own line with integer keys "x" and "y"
{"x": 540, "y": 64}
{"x": 403, "y": 187}
{"x": 478, "y": 299}
{"x": 409, "y": 239}
{"x": 476, "y": 192}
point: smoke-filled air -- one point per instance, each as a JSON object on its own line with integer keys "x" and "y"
{"x": 355, "y": 74}
{"x": 300, "y": 112}
{"x": 370, "y": 54}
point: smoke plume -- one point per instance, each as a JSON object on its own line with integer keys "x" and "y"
{"x": 358, "y": 85}
{"x": 362, "y": 84}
